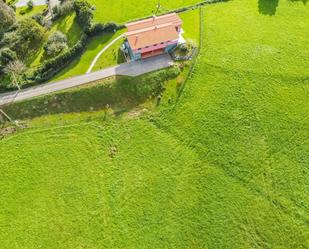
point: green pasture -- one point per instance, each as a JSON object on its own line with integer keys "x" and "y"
{"x": 29, "y": 12}
{"x": 122, "y": 11}
{"x": 225, "y": 166}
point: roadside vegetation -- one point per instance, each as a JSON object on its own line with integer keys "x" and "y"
{"x": 223, "y": 165}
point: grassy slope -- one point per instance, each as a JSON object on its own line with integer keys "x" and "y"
{"x": 226, "y": 168}
{"x": 35, "y": 10}
{"x": 67, "y": 25}
{"x": 246, "y": 111}
{"x": 122, "y": 11}
{"x": 80, "y": 65}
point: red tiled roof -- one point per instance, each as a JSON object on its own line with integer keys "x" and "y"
{"x": 153, "y": 21}
{"x": 152, "y": 35}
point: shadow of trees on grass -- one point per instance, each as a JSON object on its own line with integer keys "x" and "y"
{"x": 268, "y": 7}
{"x": 121, "y": 93}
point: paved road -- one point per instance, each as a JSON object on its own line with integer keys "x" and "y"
{"x": 102, "y": 51}
{"x": 128, "y": 69}
{"x": 22, "y": 3}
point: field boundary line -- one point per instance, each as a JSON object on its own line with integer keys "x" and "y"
{"x": 195, "y": 57}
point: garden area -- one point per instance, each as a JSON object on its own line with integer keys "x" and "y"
{"x": 222, "y": 164}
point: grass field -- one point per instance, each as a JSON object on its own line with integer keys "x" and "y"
{"x": 226, "y": 167}
{"x": 28, "y": 13}
{"x": 80, "y": 65}
{"x": 67, "y": 25}
{"x": 122, "y": 11}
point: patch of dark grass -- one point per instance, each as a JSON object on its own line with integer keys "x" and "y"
{"x": 268, "y": 7}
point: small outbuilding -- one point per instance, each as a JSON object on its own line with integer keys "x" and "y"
{"x": 153, "y": 36}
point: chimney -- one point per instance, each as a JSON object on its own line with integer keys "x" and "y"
{"x": 136, "y": 39}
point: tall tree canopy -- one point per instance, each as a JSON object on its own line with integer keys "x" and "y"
{"x": 25, "y": 34}
{"x": 7, "y": 17}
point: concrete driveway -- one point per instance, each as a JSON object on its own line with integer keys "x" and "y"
{"x": 126, "y": 69}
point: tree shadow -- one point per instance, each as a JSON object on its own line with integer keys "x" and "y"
{"x": 120, "y": 93}
{"x": 268, "y": 7}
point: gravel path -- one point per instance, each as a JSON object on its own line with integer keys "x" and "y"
{"x": 102, "y": 51}
{"x": 127, "y": 69}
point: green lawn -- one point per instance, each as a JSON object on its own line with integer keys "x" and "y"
{"x": 80, "y": 65}
{"x": 226, "y": 167}
{"x": 67, "y": 25}
{"x": 28, "y": 13}
{"x": 122, "y": 11}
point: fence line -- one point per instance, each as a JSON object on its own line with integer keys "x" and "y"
{"x": 195, "y": 57}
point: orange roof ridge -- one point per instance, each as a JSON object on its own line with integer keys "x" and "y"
{"x": 151, "y": 18}
{"x": 139, "y": 31}
{"x": 169, "y": 18}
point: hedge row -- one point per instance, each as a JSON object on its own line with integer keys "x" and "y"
{"x": 52, "y": 66}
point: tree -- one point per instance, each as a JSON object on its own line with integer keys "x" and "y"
{"x": 15, "y": 69}
{"x": 30, "y": 5}
{"x": 84, "y": 12}
{"x": 55, "y": 44}
{"x": 7, "y": 17}
{"x": 24, "y": 35}
{"x": 6, "y": 56}
{"x": 63, "y": 9}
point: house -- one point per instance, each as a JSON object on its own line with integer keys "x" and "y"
{"x": 152, "y": 36}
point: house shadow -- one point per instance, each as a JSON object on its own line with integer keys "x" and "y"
{"x": 268, "y": 7}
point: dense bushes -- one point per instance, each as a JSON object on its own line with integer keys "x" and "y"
{"x": 56, "y": 43}
{"x": 63, "y": 9}
{"x": 54, "y": 65}
{"x": 84, "y": 13}
{"x": 100, "y": 28}
{"x": 22, "y": 36}
{"x": 6, "y": 56}
{"x": 7, "y": 17}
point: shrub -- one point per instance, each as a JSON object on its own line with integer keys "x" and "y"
{"x": 63, "y": 9}
{"x": 99, "y": 28}
{"x": 38, "y": 18}
{"x": 22, "y": 12}
{"x": 22, "y": 36}
{"x": 56, "y": 43}
{"x": 30, "y": 5}
{"x": 84, "y": 12}
{"x": 7, "y": 17}
{"x": 6, "y": 56}
{"x": 52, "y": 66}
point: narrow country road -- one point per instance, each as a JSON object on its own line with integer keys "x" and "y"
{"x": 135, "y": 68}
